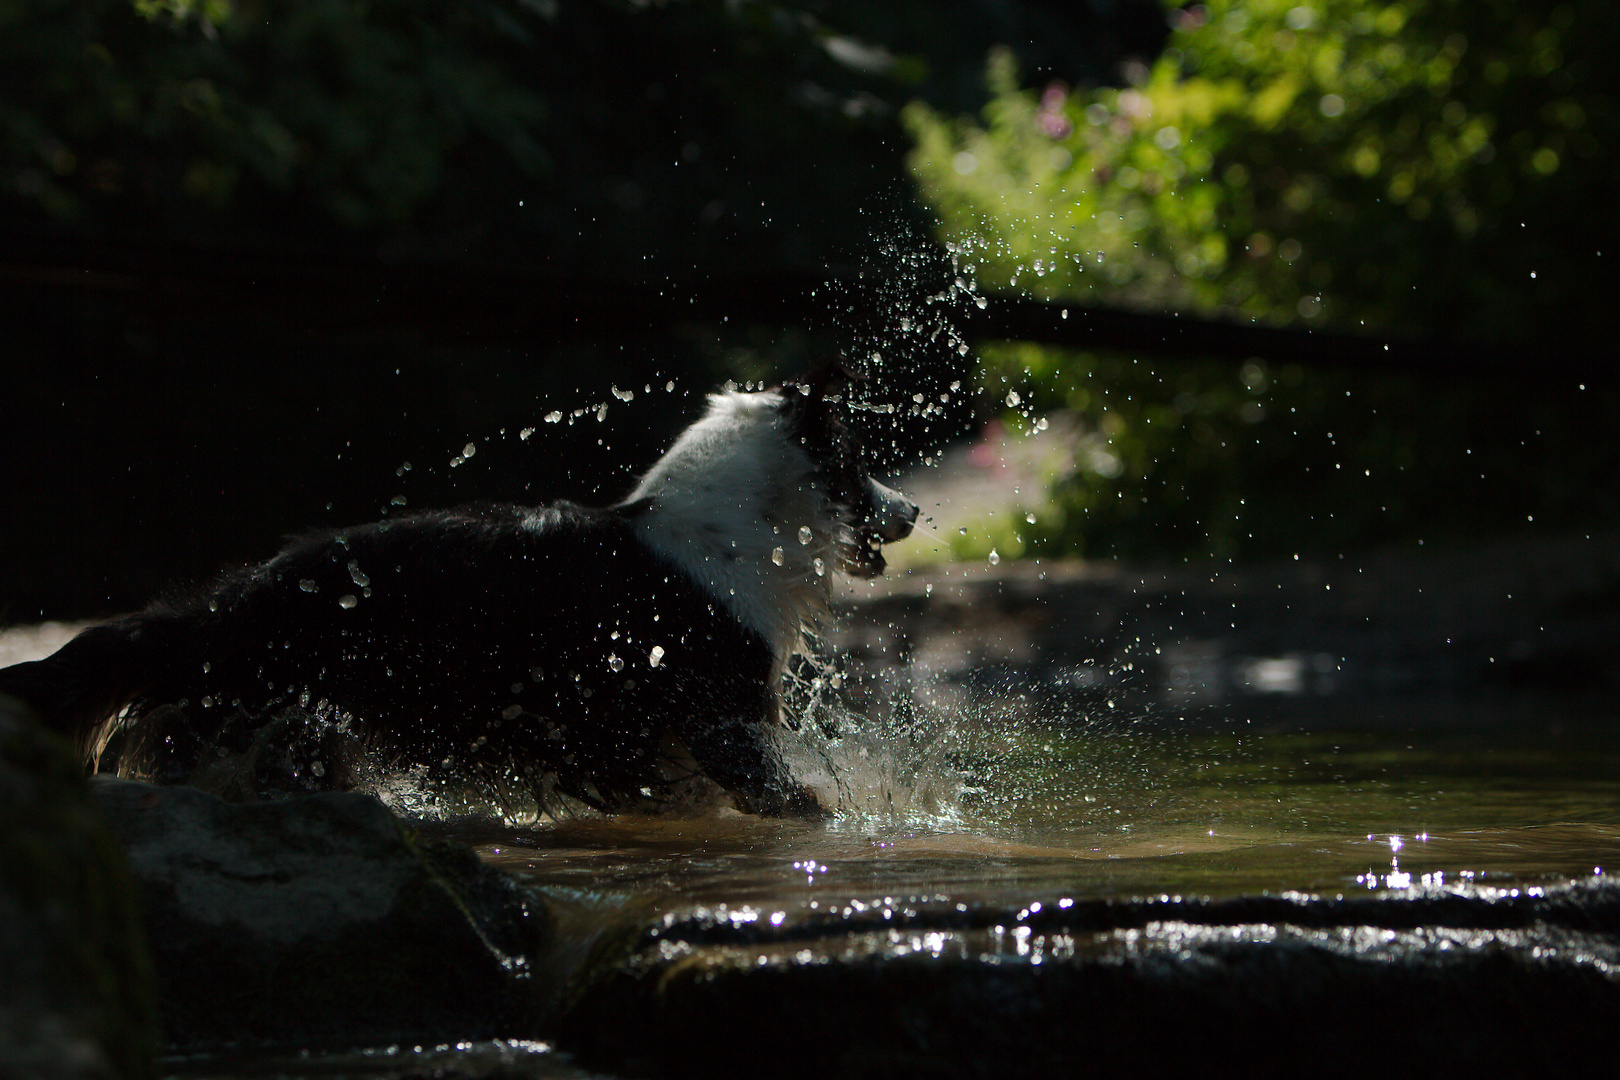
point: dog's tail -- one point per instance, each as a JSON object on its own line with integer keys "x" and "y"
{"x": 90, "y": 680}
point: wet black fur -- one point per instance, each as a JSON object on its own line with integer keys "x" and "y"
{"x": 502, "y": 639}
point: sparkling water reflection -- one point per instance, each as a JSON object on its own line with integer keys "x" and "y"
{"x": 1091, "y": 818}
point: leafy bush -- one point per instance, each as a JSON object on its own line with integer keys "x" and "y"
{"x": 1418, "y": 166}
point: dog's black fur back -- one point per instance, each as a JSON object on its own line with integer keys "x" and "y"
{"x": 595, "y": 652}
{"x": 536, "y": 640}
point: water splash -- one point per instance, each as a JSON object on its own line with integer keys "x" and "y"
{"x": 885, "y": 767}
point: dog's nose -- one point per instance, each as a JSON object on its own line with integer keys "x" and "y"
{"x": 894, "y": 513}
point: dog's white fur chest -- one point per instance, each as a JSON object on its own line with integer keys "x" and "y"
{"x": 734, "y": 503}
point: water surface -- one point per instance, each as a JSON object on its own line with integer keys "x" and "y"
{"x": 1130, "y": 815}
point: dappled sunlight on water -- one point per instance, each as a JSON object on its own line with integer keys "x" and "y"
{"x": 1199, "y": 815}
{"x": 979, "y": 808}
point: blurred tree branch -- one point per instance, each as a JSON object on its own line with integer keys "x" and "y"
{"x": 323, "y": 293}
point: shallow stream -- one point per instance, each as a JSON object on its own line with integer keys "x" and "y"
{"x": 1194, "y": 814}
{"x": 1045, "y": 815}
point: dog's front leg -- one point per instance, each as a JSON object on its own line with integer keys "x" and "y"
{"x": 738, "y": 755}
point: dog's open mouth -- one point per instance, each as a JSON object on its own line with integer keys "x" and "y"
{"x": 891, "y": 519}
{"x": 864, "y": 558}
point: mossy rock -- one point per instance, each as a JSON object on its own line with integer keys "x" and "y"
{"x": 75, "y": 980}
{"x": 1445, "y": 981}
{"x": 319, "y": 920}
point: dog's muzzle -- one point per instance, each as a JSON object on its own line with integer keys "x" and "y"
{"x": 892, "y": 517}
{"x": 893, "y": 514}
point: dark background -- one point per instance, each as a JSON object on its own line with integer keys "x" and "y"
{"x": 480, "y": 212}
{"x": 256, "y": 257}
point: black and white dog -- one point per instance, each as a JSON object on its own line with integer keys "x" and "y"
{"x": 570, "y": 648}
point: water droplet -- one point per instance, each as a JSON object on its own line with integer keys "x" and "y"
{"x": 821, "y": 567}
{"x": 468, "y": 451}
{"x": 778, "y": 556}
{"x": 356, "y": 576}
{"x": 995, "y": 557}
{"x": 615, "y": 663}
{"x": 1013, "y": 398}
{"x": 348, "y": 600}
{"x": 554, "y": 417}
{"x": 309, "y": 586}
{"x": 656, "y": 655}
{"x": 804, "y": 534}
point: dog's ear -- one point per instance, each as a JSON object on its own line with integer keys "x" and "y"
{"x": 807, "y": 394}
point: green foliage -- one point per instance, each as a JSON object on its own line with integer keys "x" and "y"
{"x": 1405, "y": 165}
{"x": 611, "y": 137}
{"x": 1419, "y": 166}
{"x": 183, "y": 109}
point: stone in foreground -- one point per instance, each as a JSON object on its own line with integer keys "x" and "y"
{"x": 319, "y": 920}
{"x": 75, "y": 984}
{"x": 1436, "y": 982}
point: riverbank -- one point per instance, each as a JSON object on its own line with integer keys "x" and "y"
{"x": 1380, "y": 634}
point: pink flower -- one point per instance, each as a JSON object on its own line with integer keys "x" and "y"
{"x": 1052, "y": 117}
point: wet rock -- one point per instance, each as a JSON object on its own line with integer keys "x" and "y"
{"x": 320, "y": 920}
{"x": 75, "y": 982}
{"x": 1444, "y": 981}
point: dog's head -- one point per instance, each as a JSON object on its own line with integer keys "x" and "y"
{"x": 876, "y": 515}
